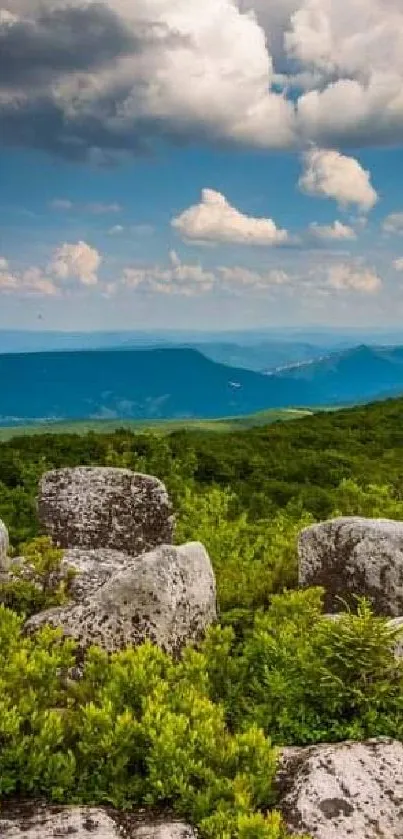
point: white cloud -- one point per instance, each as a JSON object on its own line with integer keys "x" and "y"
{"x": 393, "y": 224}
{"x": 76, "y": 261}
{"x": 30, "y": 282}
{"x": 96, "y": 208}
{"x": 329, "y": 174}
{"x": 215, "y": 220}
{"x": 353, "y": 277}
{"x": 191, "y": 279}
{"x": 398, "y": 264}
{"x": 332, "y": 232}
{"x": 101, "y": 79}
{"x": 116, "y": 230}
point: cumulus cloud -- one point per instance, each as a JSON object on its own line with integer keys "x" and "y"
{"x": 353, "y": 277}
{"x": 98, "y": 79}
{"x": 398, "y": 264}
{"x": 192, "y": 279}
{"x": 336, "y": 232}
{"x": 394, "y": 224}
{"x": 76, "y": 261}
{"x": 329, "y": 174}
{"x": 30, "y": 282}
{"x": 215, "y": 220}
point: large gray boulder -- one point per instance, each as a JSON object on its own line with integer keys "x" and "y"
{"x": 32, "y": 821}
{"x": 4, "y": 545}
{"x": 344, "y": 790}
{"x": 167, "y": 596}
{"x": 97, "y": 507}
{"x": 355, "y": 557}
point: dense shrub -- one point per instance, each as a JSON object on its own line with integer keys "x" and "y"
{"x": 38, "y": 582}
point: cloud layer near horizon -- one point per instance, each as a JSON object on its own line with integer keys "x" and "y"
{"x": 98, "y": 79}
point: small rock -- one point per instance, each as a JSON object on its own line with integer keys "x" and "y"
{"x": 96, "y": 507}
{"x": 34, "y": 821}
{"x": 4, "y": 546}
{"x": 344, "y": 790}
{"x": 167, "y": 596}
{"x": 353, "y": 557}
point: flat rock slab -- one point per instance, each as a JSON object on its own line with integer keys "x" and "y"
{"x": 344, "y": 791}
{"x": 355, "y": 557}
{"x": 27, "y": 821}
{"x": 100, "y": 507}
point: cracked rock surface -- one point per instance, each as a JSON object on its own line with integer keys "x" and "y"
{"x": 101, "y": 507}
{"x": 344, "y": 791}
{"x": 353, "y": 557}
{"x": 35, "y": 821}
{"x": 167, "y": 596}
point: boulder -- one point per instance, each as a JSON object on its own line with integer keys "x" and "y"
{"x": 167, "y": 596}
{"x": 343, "y": 790}
{"x": 34, "y": 821}
{"x": 4, "y": 545}
{"x": 353, "y": 557}
{"x": 95, "y": 507}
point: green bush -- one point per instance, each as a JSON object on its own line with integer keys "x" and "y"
{"x": 38, "y": 583}
{"x": 137, "y": 729}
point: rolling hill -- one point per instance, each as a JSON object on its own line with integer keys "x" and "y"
{"x": 182, "y": 384}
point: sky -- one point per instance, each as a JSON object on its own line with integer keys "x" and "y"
{"x": 225, "y": 164}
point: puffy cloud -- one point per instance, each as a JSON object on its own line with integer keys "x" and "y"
{"x": 191, "y": 279}
{"x": 398, "y": 264}
{"x": 394, "y": 224}
{"x": 336, "y": 232}
{"x": 97, "y": 79}
{"x": 116, "y": 230}
{"x": 329, "y": 174}
{"x": 76, "y": 261}
{"x": 215, "y": 220}
{"x": 27, "y": 283}
{"x": 353, "y": 277}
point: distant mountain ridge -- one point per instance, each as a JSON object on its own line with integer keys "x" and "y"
{"x": 173, "y": 383}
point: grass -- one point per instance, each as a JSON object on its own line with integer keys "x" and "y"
{"x": 163, "y": 426}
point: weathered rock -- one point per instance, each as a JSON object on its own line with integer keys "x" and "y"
{"x": 92, "y": 569}
{"x": 344, "y": 790}
{"x": 95, "y": 507}
{"x": 167, "y": 596}
{"x": 33, "y": 821}
{"x": 4, "y": 545}
{"x": 353, "y": 557}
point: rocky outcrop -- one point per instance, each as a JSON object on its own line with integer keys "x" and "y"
{"x": 4, "y": 562}
{"x": 167, "y": 596}
{"x": 344, "y": 790}
{"x": 95, "y": 507}
{"x": 352, "y": 557}
{"x": 33, "y": 821}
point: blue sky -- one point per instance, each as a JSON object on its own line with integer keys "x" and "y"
{"x": 256, "y": 178}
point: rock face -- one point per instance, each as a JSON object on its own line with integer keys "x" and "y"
{"x": 27, "y": 821}
{"x": 344, "y": 791}
{"x": 95, "y": 507}
{"x": 355, "y": 556}
{"x": 4, "y": 562}
{"x": 167, "y": 596}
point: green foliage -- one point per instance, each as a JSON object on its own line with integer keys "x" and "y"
{"x": 252, "y": 559}
{"x": 38, "y": 582}
{"x": 305, "y": 678}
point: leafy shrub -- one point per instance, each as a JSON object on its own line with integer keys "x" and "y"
{"x": 251, "y": 559}
{"x": 38, "y": 582}
{"x": 305, "y": 678}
